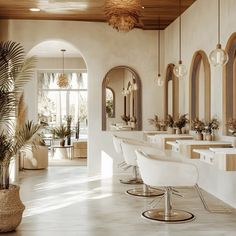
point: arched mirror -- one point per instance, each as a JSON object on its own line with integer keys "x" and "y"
{"x": 200, "y": 87}
{"x": 171, "y": 93}
{"x": 229, "y": 83}
{"x": 121, "y": 100}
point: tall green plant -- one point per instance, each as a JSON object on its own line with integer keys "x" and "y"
{"x": 15, "y": 134}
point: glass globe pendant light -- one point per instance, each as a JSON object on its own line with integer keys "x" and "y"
{"x": 180, "y": 70}
{"x": 218, "y": 57}
{"x": 159, "y": 79}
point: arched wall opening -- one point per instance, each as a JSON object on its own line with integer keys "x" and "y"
{"x": 51, "y": 104}
{"x": 229, "y": 83}
{"x": 200, "y": 87}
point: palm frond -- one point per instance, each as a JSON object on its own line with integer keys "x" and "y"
{"x": 7, "y": 105}
{"x": 27, "y": 135}
{"x": 11, "y": 59}
{"x": 25, "y": 74}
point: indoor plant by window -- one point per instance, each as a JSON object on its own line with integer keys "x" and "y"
{"x": 15, "y": 134}
{"x": 199, "y": 127}
{"x": 181, "y": 123}
{"x": 61, "y": 132}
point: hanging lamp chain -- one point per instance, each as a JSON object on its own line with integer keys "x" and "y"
{"x": 218, "y": 22}
{"x": 180, "y": 32}
{"x": 63, "y": 60}
{"x": 159, "y": 48}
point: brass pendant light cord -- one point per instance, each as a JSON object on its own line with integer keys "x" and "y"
{"x": 180, "y": 29}
{"x": 218, "y": 21}
{"x": 159, "y": 48}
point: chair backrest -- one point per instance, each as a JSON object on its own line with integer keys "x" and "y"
{"x": 117, "y": 143}
{"x": 129, "y": 147}
{"x": 156, "y": 171}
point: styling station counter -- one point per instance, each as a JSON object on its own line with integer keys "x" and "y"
{"x": 162, "y": 140}
{"x": 222, "y": 158}
{"x": 149, "y": 135}
{"x": 187, "y": 147}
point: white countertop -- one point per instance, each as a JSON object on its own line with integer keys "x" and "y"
{"x": 224, "y": 150}
{"x": 200, "y": 142}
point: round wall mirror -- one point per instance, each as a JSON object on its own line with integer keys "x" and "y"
{"x": 121, "y": 100}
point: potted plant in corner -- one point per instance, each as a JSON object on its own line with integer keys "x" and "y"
{"x": 15, "y": 134}
{"x": 61, "y": 132}
{"x": 155, "y": 122}
{"x": 199, "y": 127}
{"x": 170, "y": 124}
{"x": 181, "y": 123}
{"x": 210, "y": 128}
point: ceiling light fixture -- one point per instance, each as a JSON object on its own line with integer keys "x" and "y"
{"x": 218, "y": 57}
{"x": 63, "y": 81}
{"x": 180, "y": 70}
{"x": 160, "y": 80}
{"x": 123, "y": 15}
{"x": 34, "y": 9}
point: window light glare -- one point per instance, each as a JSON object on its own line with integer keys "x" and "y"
{"x": 34, "y": 9}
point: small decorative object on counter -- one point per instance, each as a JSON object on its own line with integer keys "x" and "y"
{"x": 181, "y": 123}
{"x": 126, "y": 119}
{"x": 170, "y": 124}
{"x": 155, "y": 122}
{"x": 199, "y": 127}
{"x": 210, "y": 128}
{"x": 231, "y": 125}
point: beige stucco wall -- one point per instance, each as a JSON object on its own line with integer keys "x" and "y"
{"x": 102, "y": 49}
{"x": 199, "y": 32}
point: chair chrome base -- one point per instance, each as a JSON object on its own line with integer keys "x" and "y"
{"x": 131, "y": 181}
{"x": 176, "y": 216}
{"x": 142, "y": 192}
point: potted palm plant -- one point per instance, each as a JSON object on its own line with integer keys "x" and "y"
{"x": 61, "y": 132}
{"x": 15, "y": 134}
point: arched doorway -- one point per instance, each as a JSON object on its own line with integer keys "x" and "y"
{"x": 55, "y": 105}
{"x": 200, "y": 87}
{"x": 229, "y": 83}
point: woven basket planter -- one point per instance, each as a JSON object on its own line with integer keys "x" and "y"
{"x": 11, "y": 209}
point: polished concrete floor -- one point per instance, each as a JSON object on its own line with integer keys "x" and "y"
{"x": 64, "y": 201}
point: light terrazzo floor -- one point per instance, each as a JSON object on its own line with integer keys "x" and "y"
{"x": 64, "y": 201}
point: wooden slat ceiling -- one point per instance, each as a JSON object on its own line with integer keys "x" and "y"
{"x": 90, "y": 10}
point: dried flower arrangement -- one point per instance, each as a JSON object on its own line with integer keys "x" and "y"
{"x": 198, "y": 125}
{"x": 211, "y": 126}
{"x": 231, "y": 124}
{"x": 181, "y": 122}
{"x": 170, "y": 121}
{"x": 155, "y": 122}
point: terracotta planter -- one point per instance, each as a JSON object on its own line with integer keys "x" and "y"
{"x": 11, "y": 209}
{"x": 199, "y": 136}
{"x": 208, "y": 137}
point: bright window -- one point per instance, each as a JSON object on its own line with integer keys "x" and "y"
{"x": 55, "y": 104}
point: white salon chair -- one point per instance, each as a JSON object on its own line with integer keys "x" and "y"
{"x": 118, "y": 148}
{"x": 130, "y": 157}
{"x": 158, "y": 172}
